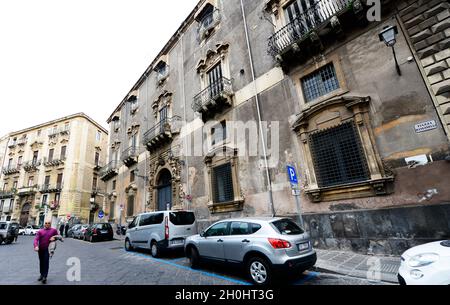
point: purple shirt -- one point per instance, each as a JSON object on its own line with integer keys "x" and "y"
{"x": 43, "y": 236}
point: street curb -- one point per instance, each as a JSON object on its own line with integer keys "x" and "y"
{"x": 352, "y": 274}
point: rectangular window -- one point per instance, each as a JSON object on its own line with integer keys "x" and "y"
{"x": 97, "y": 159}
{"x": 44, "y": 199}
{"x": 320, "y": 83}
{"x": 14, "y": 185}
{"x": 31, "y": 181}
{"x": 5, "y": 187}
{"x": 132, "y": 176}
{"x": 19, "y": 161}
{"x": 35, "y": 156}
{"x": 222, "y": 183}
{"x": 47, "y": 181}
{"x": 57, "y": 198}
{"x": 130, "y": 206}
{"x": 59, "y": 181}
{"x": 219, "y": 133}
{"x": 114, "y": 185}
{"x": 99, "y": 135}
{"x": 10, "y": 162}
{"x": 63, "y": 152}
{"x": 51, "y": 152}
{"x": 338, "y": 156}
{"x": 94, "y": 183}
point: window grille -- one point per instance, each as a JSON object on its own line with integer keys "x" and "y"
{"x": 320, "y": 83}
{"x": 338, "y": 156}
{"x": 222, "y": 183}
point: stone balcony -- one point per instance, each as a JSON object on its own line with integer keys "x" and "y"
{"x": 27, "y": 191}
{"x": 130, "y": 156}
{"x": 54, "y": 162}
{"x": 51, "y": 188}
{"x": 162, "y": 133}
{"x": 214, "y": 98}
{"x": 12, "y": 169}
{"x": 31, "y": 166}
{"x": 109, "y": 171}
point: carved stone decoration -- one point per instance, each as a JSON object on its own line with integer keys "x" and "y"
{"x": 36, "y": 145}
{"x": 171, "y": 163}
{"x": 329, "y": 114}
{"x": 212, "y": 55}
{"x": 163, "y": 100}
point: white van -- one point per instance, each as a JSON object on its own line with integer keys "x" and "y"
{"x": 159, "y": 231}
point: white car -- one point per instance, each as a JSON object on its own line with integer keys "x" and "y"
{"x": 427, "y": 264}
{"x": 31, "y": 230}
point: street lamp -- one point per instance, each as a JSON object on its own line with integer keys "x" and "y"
{"x": 388, "y": 36}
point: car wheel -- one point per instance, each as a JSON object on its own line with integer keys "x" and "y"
{"x": 259, "y": 271}
{"x": 128, "y": 246}
{"x": 194, "y": 258}
{"x": 8, "y": 241}
{"x": 154, "y": 249}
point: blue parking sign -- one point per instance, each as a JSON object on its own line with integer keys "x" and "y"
{"x": 101, "y": 214}
{"x": 292, "y": 174}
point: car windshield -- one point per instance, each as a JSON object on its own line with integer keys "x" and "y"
{"x": 2, "y": 226}
{"x": 182, "y": 218}
{"x": 287, "y": 227}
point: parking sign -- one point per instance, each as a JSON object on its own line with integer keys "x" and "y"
{"x": 292, "y": 174}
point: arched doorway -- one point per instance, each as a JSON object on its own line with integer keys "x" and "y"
{"x": 164, "y": 187}
{"x": 25, "y": 214}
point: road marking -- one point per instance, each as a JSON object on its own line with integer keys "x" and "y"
{"x": 311, "y": 275}
{"x": 171, "y": 263}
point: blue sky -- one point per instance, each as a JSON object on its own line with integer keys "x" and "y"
{"x": 59, "y": 57}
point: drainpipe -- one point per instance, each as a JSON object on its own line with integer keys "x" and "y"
{"x": 183, "y": 91}
{"x": 269, "y": 180}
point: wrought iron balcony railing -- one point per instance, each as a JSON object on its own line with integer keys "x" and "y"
{"x": 5, "y": 194}
{"x": 22, "y": 141}
{"x": 51, "y": 188}
{"x": 54, "y": 161}
{"x": 211, "y": 95}
{"x": 163, "y": 74}
{"x": 110, "y": 170}
{"x": 12, "y": 169}
{"x": 27, "y": 190}
{"x": 31, "y": 165}
{"x": 161, "y": 132}
{"x": 301, "y": 27}
{"x": 56, "y": 132}
{"x": 130, "y": 155}
{"x": 207, "y": 24}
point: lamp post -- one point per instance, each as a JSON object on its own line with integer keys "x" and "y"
{"x": 388, "y": 36}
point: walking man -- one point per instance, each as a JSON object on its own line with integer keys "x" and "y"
{"x": 41, "y": 243}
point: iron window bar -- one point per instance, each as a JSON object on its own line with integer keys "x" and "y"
{"x": 320, "y": 83}
{"x": 338, "y": 156}
{"x": 222, "y": 183}
{"x": 300, "y": 28}
{"x": 220, "y": 88}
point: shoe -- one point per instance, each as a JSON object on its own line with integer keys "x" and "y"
{"x": 44, "y": 280}
{"x": 40, "y": 278}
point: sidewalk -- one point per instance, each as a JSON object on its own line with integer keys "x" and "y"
{"x": 358, "y": 265}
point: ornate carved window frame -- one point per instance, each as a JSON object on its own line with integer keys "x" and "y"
{"x": 219, "y": 54}
{"x": 163, "y": 100}
{"x": 331, "y": 113}
{"x": 218, "y": 157}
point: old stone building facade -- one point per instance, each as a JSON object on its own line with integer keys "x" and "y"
{"x": 245, "y": 88}
{"x": 51, "y": 170}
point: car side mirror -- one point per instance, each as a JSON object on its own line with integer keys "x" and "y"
{"x": 202, "y": 234}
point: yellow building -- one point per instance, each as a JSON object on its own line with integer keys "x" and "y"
{"x": 51, "y": 170}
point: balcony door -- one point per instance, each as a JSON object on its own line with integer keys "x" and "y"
{"x": 162, "y": 118}
{"x": 59, "y": 181}
{"x": 303, "y": 15}
{"x": 51, "y": 152}
{"x": 25, "y": 214}
{"x": 215, "y": 80}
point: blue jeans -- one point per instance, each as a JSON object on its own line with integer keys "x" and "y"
{"x": 44, "y": 260}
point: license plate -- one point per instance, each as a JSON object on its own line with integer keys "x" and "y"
{"x": 303, "y": 246}
{"x": 178, "y": 242}
{"x": 104, "y": 231}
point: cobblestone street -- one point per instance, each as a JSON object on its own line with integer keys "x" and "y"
{"x": 107, "y": 263}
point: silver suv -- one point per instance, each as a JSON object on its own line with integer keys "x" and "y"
{"x": 160, "y": 231}
{"x": 262, "y": 245}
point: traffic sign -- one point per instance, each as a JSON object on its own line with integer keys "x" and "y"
{"x": 101, "y": 214}
{"x": 292, "y": 174}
